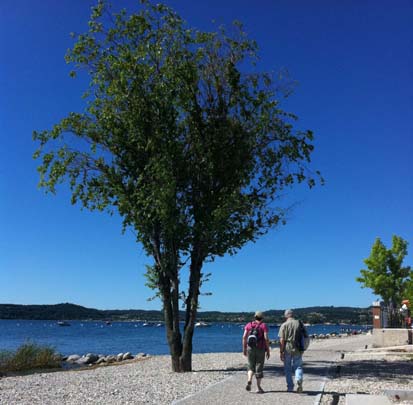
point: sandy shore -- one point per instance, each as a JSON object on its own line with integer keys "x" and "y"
{"x": 151, "y": 381}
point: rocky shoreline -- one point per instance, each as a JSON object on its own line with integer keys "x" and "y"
{"x": 91, "y": 359}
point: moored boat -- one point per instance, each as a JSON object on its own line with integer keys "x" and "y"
{"x": 202, "y": 324}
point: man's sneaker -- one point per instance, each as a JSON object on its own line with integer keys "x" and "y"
{"x": 299, "y": 386}
{"x": 248, "y": 387}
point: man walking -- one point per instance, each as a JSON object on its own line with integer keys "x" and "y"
{"x": 255, "y": 346}
{"x": 290, "y": 354}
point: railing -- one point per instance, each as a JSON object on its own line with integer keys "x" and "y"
{"x": 392, "y": 317}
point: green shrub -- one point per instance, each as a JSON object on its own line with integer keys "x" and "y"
{"x": 29, "y": 356}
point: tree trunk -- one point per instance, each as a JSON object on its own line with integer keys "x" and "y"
{"x": 170, "y": 297}
{"x": 191, "y": 310}
{"x": 180, "y": 349}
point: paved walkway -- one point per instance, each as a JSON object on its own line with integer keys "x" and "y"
{"x": 318, "y": 362}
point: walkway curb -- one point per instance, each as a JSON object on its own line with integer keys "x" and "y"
{"x": 323, "y": 384}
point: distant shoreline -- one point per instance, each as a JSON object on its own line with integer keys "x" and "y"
{"x": 154, "y": 323}
{"x": 70, "y": 312}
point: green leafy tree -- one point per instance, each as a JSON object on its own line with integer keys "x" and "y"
{"x": 190, "y": 150}
{"x": 409, "y": 291}
{"x": 385, "y": 273}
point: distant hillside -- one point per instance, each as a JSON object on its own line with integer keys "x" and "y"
{"x": 59, "y": 311}
{"x": 72, "y": 312}
{"x": 68, "y": 311}
{"x": 312, "y": 315}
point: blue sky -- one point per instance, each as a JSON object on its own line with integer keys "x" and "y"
{"x": 353, "y": 62}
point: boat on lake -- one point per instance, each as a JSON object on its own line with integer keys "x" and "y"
{"x": 63, "y": 323}
{"x": 202, "y": 324}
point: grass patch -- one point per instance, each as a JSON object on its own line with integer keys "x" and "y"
{"x": 29, "y": 356}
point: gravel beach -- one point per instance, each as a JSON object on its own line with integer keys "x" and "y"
{"x": 150, "y": 381}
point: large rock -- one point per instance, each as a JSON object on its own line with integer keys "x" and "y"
{"x": 87, "y": 359}
{"x": 92, "y": 357}
{"x": 73, "y": 358}
{"x": 110, "y": 359}
{"x": 119, "y": 357}
{"x": 127, "y": 356}
{"x": 82, "y": 361}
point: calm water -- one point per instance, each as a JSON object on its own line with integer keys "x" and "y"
{"x": 97, "y": 337}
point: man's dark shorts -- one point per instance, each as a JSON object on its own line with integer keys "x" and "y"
{"x": 256, "y": 358}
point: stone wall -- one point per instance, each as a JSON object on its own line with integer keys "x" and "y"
{"x": 391, "y": 337}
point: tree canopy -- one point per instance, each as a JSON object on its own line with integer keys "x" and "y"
{"x": 385, "y": 273}
{"x": 184, "y": 139}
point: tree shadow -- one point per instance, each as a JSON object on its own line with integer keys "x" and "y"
{"x": 375, "y": 369}
{"x": 310, "y": 367}
{"x": 360, "y": 369}
{"x": 316, "y": 368}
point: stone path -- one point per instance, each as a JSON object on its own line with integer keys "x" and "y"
{"x": 318, "y": 362}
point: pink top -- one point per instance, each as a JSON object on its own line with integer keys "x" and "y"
{"x": 261, "y": 344}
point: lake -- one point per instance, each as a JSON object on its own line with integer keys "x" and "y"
{"x": 97, "y": 337}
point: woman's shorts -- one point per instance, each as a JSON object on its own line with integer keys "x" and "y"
{"x": 256, "y": 358}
